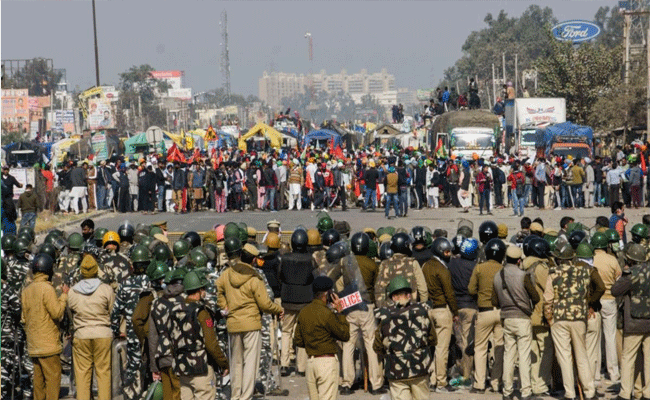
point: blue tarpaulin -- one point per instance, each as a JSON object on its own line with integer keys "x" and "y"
{"x": 321, "y": 134}
{"x": 569, "y": 132}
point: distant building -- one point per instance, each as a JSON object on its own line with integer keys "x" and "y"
{"x": 275, "y": 86}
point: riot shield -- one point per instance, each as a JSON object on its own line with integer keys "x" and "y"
{"x": 354, "y": 294}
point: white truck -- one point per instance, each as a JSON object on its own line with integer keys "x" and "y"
{"x": 531, "y": 114}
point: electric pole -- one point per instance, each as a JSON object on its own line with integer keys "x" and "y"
{"x": 311, "y": 65}
{"x": 225, "y": 57}
{"x": 96, "y": 48}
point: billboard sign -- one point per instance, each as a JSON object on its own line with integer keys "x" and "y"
{"x": 576, "y": 31}
{"x": 173, "y": 78}
{"x": 100, "y": 149}
{"x": 100, "y": 114}
{"x": 182, "y": 94}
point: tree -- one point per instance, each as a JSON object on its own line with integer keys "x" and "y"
{"x": 137, "y": 85}
{"x": 37, "y": 76}
{"x": 524, "y": 36}
{"x": 611, "y": 24}
{"x": 580, "y": 75}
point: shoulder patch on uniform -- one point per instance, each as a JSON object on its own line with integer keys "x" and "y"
{"x": 209, "y": 323}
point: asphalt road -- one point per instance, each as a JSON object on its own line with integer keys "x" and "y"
{"x": 444, "y": 218}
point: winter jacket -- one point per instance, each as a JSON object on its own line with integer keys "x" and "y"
{"x": 78, "y": 177}
{"x": 241, "y": 291}
{"x": 41, "y": 313}
{"x": 28, "y": 202}
{"x": 91, "y": 302}
{"x": 179, "y": 179}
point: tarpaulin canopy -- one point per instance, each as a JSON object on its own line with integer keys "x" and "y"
{"x": 387, "y": 129}
{"x": 569, "y": 132}
{"x": 60, "y": 148}
{"x": 24, "y": 153}
{"x": 321, "y": 134}
{"x": 262, "y": 129}
{"x": 186, "y": 141}
{"x": 139, "y": 140}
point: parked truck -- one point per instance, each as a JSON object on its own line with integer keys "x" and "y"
{"x": 531, "y": 114}
{"x": 565, "y": 139}
{"x": 467, "y": 132}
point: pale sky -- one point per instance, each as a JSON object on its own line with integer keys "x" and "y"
{"x": 414, "y": 40}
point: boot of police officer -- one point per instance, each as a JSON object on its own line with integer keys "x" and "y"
{"x": 400, "y": 263}
{"x": 566, "y": 309}
{"x": 41, "y": 313}
{"x": 488, "y": 320}
{"x": 536, "y": 263}
{"x": 444, "y": 309}
{"x": 318, "y": 329}
{"x": 160, "y": 350}
{"x": 405, "y": 337}
{"x": 362, "y": 323}
{"x": 194, "y": 342}
{"x": 634, "y": 288}
{"x": 296, "y": 276}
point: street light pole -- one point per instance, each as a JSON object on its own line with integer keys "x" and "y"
{"x": 96, "y": 48}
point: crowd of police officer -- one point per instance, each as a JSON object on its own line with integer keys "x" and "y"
{"x": 231, "y": 312}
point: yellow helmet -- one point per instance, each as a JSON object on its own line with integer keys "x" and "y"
{"x": 111, "y": 236}
{"x": 272, "y": 240}
{"x": 313, "y": 237}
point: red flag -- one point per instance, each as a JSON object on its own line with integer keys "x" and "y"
{"x": 195, "y": 157}
{"x": 174, "y": 154}
{"x": 338, "y": 152}
{"x": 308, "y": 184}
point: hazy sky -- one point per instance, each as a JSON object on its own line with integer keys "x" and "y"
{"x": 414, "y": 40}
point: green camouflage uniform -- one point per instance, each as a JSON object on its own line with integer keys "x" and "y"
{"x": 640, "y": 292}
{"x": 125, "y": 248}
{"x": 266, "y": 361}
{"x": 397, "y": 265}
{"x": 18, "y": 269}
{"x": 65, "y": 270}
{"x": 91, "y": 248}
{"x": 10, "y": 344}
{"x": 570, "y": 291}
{"x": 186, "y": 339}
{"x": 115, "y": 265}
{"x": 405, "y": 338}
{"x": 126, "y": 299}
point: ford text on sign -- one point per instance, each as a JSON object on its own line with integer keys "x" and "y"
{"x": 576, "y": 31}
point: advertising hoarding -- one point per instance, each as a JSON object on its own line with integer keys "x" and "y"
{"x": 100, "y": 114}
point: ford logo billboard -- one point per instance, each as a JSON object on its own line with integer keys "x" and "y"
{"x": 575, "y": 31}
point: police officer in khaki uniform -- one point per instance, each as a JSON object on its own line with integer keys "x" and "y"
{"x": 488, "y": 320}
{"x": 444, "y": 309}
{"x": 317, "y": 330}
